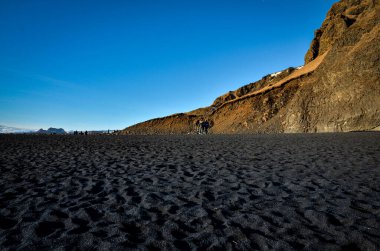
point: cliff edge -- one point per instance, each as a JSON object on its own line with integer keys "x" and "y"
{"x": 337, "y": 90}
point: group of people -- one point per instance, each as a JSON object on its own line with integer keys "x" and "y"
{"x": 202, "y": 126}
{"x": 108, "y": 132}
{"x": 80, "y": 133}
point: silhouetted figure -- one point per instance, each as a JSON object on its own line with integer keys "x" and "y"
{"x": 85, "y": 133}
{"x": 205, "y": 126}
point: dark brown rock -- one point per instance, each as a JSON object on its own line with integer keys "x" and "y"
{"x": 338, "y": 89}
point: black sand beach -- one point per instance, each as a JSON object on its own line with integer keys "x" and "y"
{"x": 263, "y": 192}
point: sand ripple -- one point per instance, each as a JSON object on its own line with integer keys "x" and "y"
{"x": 278, "y": 192}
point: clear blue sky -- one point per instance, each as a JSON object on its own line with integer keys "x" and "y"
{"x": 109, "y": 64}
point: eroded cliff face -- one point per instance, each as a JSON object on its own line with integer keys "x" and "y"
{"x": 339, "y": 19}
{"x": 345, "y": 92}
{"x": 252, "y": 87}
{"x": 338, "y": 89}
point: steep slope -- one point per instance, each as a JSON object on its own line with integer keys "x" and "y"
{"x": 345, "y": 94}
{"x": 338, "y": 89}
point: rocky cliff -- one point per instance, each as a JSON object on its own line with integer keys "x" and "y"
{"x": 338, "y": 88}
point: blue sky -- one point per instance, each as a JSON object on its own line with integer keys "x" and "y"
{"x": 109, "y": 64}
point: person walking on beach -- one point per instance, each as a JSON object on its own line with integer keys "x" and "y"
{"x": 196, "y": 126}
{"x": 205, "y": 126}
{"x": 200, "y": 127}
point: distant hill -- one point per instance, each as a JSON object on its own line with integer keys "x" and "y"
{"x": 9, "y": 129}
{"x": 51, "y": 131}
{"x": 337, "y": 90}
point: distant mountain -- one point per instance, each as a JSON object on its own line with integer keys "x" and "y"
{"x": 52, "y": 130}
{"x": 9, "y": 129}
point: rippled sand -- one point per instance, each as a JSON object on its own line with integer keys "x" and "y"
{"x": 265, "y": 192}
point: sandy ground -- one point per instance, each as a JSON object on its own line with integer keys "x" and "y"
{"x": 265, "y": 192}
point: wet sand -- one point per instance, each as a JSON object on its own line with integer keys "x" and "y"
{"x": 263, "y": 192}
